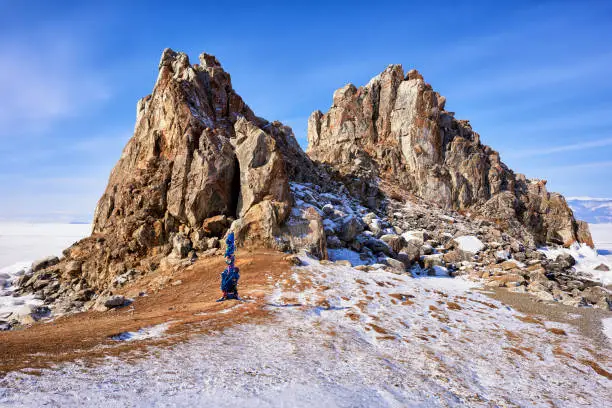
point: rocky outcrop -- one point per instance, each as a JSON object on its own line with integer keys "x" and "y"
{"x": 396, "y": 129}
{"x": 396, "y": 183}
{"x": 199, "y": 161}
{"x": 264, "y": 201}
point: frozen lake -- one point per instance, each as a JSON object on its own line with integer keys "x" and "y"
{"x": 22, "y": 242}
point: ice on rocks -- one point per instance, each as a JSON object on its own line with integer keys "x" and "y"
{"x": 587, "y": 260}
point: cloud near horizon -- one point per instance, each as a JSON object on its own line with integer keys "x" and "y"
{"x": 547, "y": 150}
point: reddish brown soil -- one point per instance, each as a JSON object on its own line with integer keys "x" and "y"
{"x": 190, "y": 305}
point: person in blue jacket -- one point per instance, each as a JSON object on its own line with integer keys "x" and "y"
{"x": 231, "y": 274}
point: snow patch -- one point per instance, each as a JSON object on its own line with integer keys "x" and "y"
{"x": 607, "y": 327}
{"x": 469, "y": 243}
{"x": 143, "y": 333}
{"x": 346, "y": 254}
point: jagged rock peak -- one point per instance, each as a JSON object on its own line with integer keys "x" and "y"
{"x": 199, "y": 163}
{"x": 395, "y": 129}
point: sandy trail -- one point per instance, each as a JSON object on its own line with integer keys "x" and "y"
{"x": 586, "y": 319}
{"x": 186, "y": 299}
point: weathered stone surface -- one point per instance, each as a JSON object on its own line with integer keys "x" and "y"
{"x": 396, "y": 129}
{"x": 583, "y": 233}
{"x": 395, "y": 242}
{"x": 114, "y": 301}
{"x": 350, "y": 228}
{"x": 44, "y": 263}
{"x": 215, "y": 226}
{"x": 73, "y": 268}
{"x": 293, "y": 260}
{"x": 198, "y": 160}
{"x": 395, "y": 264}
{"x": 565, "y": 261}
{"x": 599, "y": 297}
{"x": 181, "y": 245}
{"x": 262, "y": 168}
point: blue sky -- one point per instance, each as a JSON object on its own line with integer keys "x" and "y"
{"x": 534, "y": 79}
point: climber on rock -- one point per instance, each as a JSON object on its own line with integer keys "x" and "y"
{"x": 231, "y": 274}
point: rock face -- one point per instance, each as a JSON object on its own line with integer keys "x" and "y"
{"x": 198, "y": 154}
{"x": 396, "y": 129}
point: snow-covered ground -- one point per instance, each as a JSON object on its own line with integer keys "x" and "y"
{"x": 340, "y": 337}
{"x": 22, "y": 243}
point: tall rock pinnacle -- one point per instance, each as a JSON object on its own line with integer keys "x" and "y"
{"x": 396, "y": 129}
{"x": 199, "y": 155}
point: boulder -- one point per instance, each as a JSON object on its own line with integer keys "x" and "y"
{"x": 510, "y": 280}
{"x": 262, "y": 168}
{"x": 395, "y": 242}
{"x": 213, "y": 242}
{"x": 44, "y": 263}
{"x": 293, "y": 260}
{"x": 413, "y": 251}
{"x": 73, "y": 268}
{"x": 215, "y": 226}
{"x": 408, "y": 258}
{"x": 427, "y": 249}
{"x": 181, "y": 245}
{"x": 334, "y": 242}
{"x": 114, "y": 301}
{"x": 429, "y": 261}
{"x": 395, "y": 264}
{"x": 304, "y": 230}
{"x": 602, "y": 267}
{"x": 376, "y": 245}
{"x": 583, "y": 234}
{"x": 29, "y": 314}
{"x": 508, "y": 265}
{"x": 453, "y": 256}
{"x": 598, "y": 297}
{"x": 565, "y": 261}
{"x": 468, "y": 244}
{"x": 328, "y": 209}
{"x": 418, "y": 237}
{"x": 375, "y": 226}
{"x": 350, "y": 228}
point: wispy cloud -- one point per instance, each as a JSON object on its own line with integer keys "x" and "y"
{"x": 592, "y": 118}
{"x": 535, "y": 77}
{"x": 44, "y": 78}
{"x": 543, "y": 151}
{"x": 585, "y": 166}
